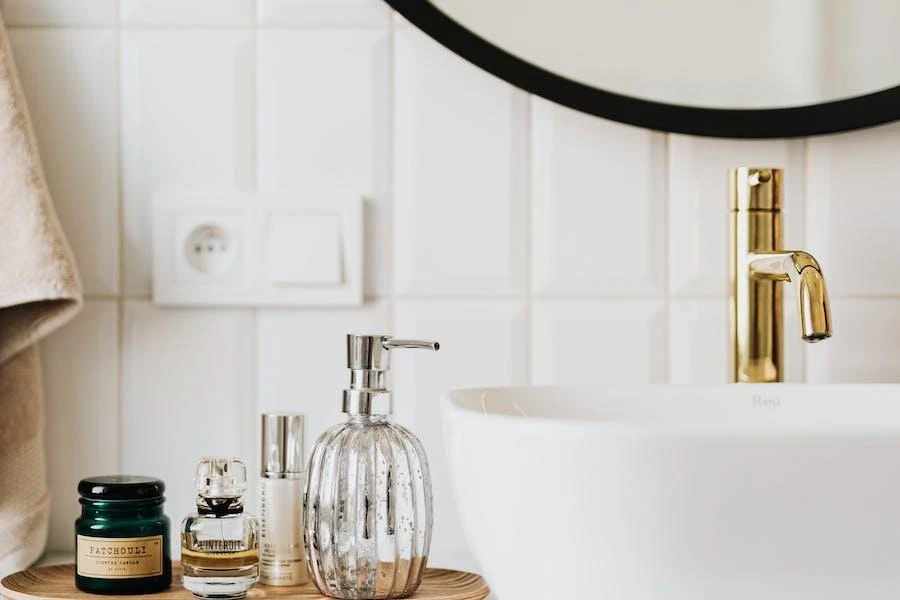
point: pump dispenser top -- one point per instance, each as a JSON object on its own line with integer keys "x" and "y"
{"x": 369, "y": 360}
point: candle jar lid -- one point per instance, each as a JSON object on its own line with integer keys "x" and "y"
{"x": 121, "y": 487}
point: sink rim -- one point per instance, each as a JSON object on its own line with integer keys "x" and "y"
{"x": 880, "y": 402}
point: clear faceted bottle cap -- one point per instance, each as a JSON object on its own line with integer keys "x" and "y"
{"x": 220, "y": 477}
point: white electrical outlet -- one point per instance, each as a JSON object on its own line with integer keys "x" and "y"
{"x": 257, "y": 250}
{"x": 207, "y": 246}
{"x": 209, "y": 249}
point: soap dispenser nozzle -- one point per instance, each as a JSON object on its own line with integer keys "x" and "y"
{"x": 369, "y": 359}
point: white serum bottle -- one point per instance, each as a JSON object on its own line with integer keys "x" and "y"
{"x": 282, "y": 559}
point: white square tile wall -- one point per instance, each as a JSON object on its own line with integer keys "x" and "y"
{"x": 598, "y": 197}
{"x": 537, "y": 244}
{"x": 352, "y": 13}
{"x": 186, "y": 12}
{"x": 698, "y": 333}
{"x": 598, "y": 341}
{"x": 460, "y": 172}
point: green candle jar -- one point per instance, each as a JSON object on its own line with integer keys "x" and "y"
{"x": 122, "y": 536}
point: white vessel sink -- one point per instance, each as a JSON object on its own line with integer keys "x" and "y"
{"x": 680, "y": 493}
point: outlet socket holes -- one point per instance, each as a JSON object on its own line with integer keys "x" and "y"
{"x": 209, "y": 249}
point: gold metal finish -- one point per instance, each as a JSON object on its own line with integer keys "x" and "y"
{"x": 757, "y": 266}
{"x": 754, "y": 188}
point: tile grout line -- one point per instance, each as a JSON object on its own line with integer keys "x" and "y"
{"x": 529, "y": 238}
{"x": 120, "y": 205}
{"x": 667, "y": 256}
{"x": 253, "y": 101}
{"x": 488, "y": 298}
{"x": 392, "y": 158}
{"x": 254, "y": 405}
{"x": 202, "y": 26}
{"x": 253, "y": 384}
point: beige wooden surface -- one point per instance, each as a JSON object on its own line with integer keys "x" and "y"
{"x": 58, "y": 581}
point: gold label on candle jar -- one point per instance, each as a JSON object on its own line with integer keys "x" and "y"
{"x": 120, "y": 558}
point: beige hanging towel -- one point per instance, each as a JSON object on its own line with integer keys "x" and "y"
{"x": 39, "y": 292}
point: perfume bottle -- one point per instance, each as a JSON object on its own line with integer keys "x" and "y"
{"x": 219, "y": 543}
{"x": 282, "y": 561}
{"x": 368, "y": 510}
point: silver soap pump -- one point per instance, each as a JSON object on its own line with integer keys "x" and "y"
{"x": 368, "y": 502}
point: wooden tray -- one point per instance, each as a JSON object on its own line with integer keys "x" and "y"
{"x": 58, "y": 582}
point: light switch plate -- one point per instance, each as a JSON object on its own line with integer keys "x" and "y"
{"x": 290, "y": 235}
{"x": 257, "y": 250}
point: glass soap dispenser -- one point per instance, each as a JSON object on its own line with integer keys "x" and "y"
{"x": 368, "y": 506}
{"x": 219, "y": 543}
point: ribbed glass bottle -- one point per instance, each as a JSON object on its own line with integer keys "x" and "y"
{"x": 368, "y": 510}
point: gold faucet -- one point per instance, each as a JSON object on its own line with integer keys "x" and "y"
{"x": 757, "y": 266}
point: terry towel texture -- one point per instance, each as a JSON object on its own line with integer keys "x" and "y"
{"x": 39, "y": 292}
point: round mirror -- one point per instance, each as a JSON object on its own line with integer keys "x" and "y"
{"x": 706, "y": 67}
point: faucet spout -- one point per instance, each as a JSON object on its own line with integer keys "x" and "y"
{"x": 801, "y": 269}
{"x": 815, "y": 314}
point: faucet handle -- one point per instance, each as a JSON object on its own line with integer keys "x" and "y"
{"x": 755, "y": 188}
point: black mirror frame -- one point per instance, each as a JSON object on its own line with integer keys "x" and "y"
{"x": 801, "y": 121}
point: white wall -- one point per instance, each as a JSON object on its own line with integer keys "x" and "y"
{"x": 537, "y": 244}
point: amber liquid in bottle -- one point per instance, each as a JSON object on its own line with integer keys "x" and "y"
{"x": 218, "y": 564}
